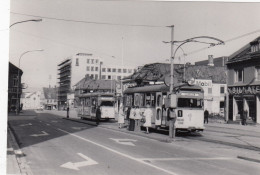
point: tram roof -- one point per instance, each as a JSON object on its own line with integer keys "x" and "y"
{"x": 93, "y": 94}
{"x": 161, "y": 88}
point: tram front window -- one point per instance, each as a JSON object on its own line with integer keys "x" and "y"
{"x": 107, "y": 103}
{"x": 190, "y": 103}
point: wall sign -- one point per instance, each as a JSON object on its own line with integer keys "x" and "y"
{"x": 244, "y": 90}
{"x": 203, "y": 83}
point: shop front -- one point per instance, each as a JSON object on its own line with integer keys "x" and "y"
{"x": 244, "y": 98}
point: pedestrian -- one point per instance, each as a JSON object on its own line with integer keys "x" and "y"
{"x": 148, "y": 113}
{"x": 132, "y": 119}
{"x": 206, "y": 116}
{"x": 68, "y": 111}
{"x": 121, "y": 116}
{"x": 98, "y": 115}
{"x": 128, "y": 111}
{"x": 138, "y": 117}
{"x": 244, "y": 117}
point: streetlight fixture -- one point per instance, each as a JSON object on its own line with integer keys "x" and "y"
{"x": 30, "y": 20}
{"x": 219, "y": 42}
{"x": 18, "y": 79}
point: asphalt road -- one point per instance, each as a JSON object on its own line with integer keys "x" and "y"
{"x": 52, "y": 145}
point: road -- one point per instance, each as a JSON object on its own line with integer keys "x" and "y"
{"x": 52, "y": 145}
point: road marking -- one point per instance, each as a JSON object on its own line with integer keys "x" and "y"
{"x": 117, "y": 152}
{"x": 128, "y": 142}
{"x": 54, "y": 121}
{"x": 47, "y": 124}
{"x": 78, "y": 128}
{"x": 188, "y": 158}
{"x": 39, "y": 135}
{"x": 29, "y": 124}
{"x": 75, "y": 166}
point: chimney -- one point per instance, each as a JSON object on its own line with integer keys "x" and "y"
{"x": 210, "y": 60}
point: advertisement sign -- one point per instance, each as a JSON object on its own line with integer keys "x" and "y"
{"x": 203, "y": 83}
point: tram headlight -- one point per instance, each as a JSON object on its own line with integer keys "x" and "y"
{"x": 191, "y": 81}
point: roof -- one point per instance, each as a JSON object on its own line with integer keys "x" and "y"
{"x": 161, "y": 71}
{"x": 14, "y": 69}
{"x": 244, "y": 53}
{"x": 90, "y": 84}
{"x": 50, "y": 93}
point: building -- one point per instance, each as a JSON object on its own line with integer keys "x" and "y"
{"x": 73, "y": 69}
{"x": 217, "y": 62}
{"x": 14, "y": 89}
{"x": 244, "y": 82}
{"x": 49, "y": 98}
{"x": 31, "y": 100}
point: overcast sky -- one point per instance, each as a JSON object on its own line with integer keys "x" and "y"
{"x": 73, "y": 26}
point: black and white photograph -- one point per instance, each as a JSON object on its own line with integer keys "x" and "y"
{"x": 130, "y": 87}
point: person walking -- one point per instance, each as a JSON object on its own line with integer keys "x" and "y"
{"x": 138, "y": 117}
{"x": 206, "y": 116}
{"x": 98, "y": 115}
{"x": 148, "y": 113}
{"x": 244, "y": 117}
{"x": 68, "y": 111}
{"x": 121, "y": 116}
{"x": 132, "y": 119}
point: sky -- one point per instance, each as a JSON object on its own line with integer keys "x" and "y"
{"x": 123, "y": 30}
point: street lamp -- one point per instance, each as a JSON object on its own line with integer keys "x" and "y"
{"x": 18, "y": 78}
{"x": 30, "y": 20}
{"x": 219, "y": 42}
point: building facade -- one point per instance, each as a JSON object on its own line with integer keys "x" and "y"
{"x": 218, "y": 62}
{"x": 73, "y": 69}
{"x": 49, "y": 98}
{"x": 244, "y": 82}
{"x": 31, "y": 100}
{"x": 14, "y": 87}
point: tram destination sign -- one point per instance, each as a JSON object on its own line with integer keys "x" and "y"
{"x": 244, "y": 90}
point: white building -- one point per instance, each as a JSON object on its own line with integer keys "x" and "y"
{"x": 214, "y": 95}
{"x": 31, "y": 100}
{"x": 74, "y": 68}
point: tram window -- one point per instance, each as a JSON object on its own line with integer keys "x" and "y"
{"x": 107, "y": 103}
{"x": 141, "y": 99}
{"x": 190, "y": 103}
{"x": 159, "y": 98}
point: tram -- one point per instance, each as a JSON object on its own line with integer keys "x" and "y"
{"x": 188, "y": 99}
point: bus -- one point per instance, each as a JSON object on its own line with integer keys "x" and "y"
{"x": 189, "y": 105}
{"x": 89, "y": 102}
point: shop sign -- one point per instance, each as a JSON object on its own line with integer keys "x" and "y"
{"x": 203, "y": 83}
{"x": 244, "y": 90}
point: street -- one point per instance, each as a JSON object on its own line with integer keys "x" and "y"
{"x": 53, "y": 145}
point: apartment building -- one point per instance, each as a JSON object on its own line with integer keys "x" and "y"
{"x": 74, "y": 68}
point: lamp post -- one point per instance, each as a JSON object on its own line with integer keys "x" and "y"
{"x": 173, "y": 118}
{"x": 18, "y": 80}
{"x": 30, "y": 20}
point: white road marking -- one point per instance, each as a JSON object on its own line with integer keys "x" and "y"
{"x": 75, "y": 166}
{"x": 128, "y": 142}
{"x": 29, "y": 124}
{"x": 122, "y": 154}
{"x": 54, "y": 121}
{"x": 188, "y": 158}
{"x": 78, "y": 128}
{"x": 39, "y": 135}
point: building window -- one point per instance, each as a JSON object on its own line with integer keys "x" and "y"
{"x": 119, "y": 70}
{"x": 129, "y": 70}
{"x": 108, "y": 69}
{"x": 92, "y": 68}
{"x": 96, "y": 76}
{"x": 114, "y": 77}
{"x": 222, "y": 104}
{"x": 258, "y": 73}
{"x": 92, "y": 61}
{"x": 114, "y": 70}
{"x": 103, "y": 77}
{"x": 15, "y": 82}
{"x": 77, "y": 62}
{"x": 96, "y": 61}
{"x": 103, "y": 69}
{"x": 88, "y": 61}
{"x": 222, "y": 90}
{"x": 96, "y": 68}
{"x": 91, "y": 76}
{"x": 88, "y": 68}
{"x": 124, "y": 70}
{"x": 109, "y": 77}
{"x": 119, "y": 77}
{"x": 239, "y": 75}
{"x": 209, "y": 90}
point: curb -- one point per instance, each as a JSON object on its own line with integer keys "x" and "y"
{"x": 19, "y": 155}
{"x": 249, "y": 159}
